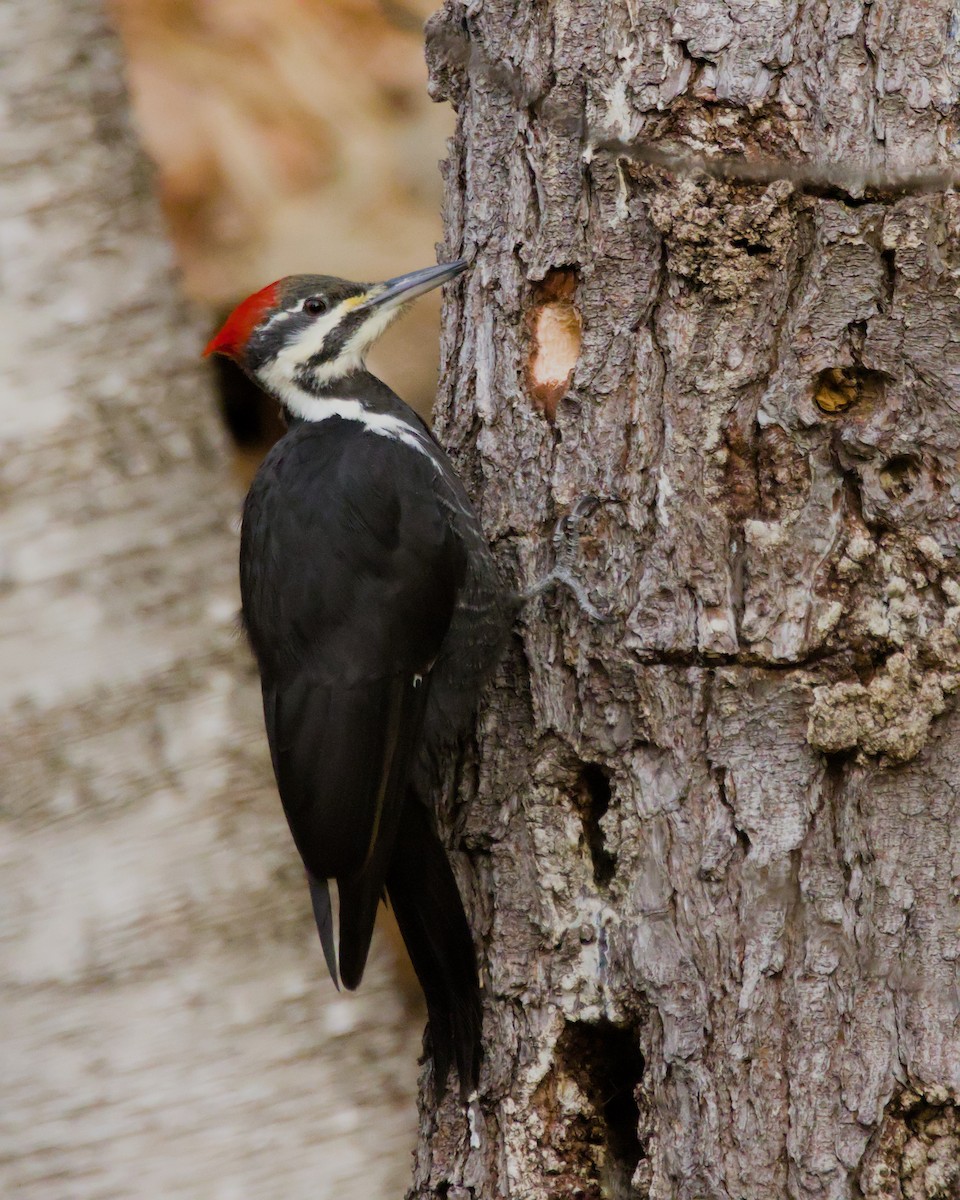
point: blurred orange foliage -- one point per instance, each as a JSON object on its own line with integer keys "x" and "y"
{"x": 289, "y": 135}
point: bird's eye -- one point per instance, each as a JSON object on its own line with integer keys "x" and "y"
{"x": 315, "y": 305}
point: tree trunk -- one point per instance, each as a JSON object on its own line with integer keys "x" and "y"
{"x": 712, "y": 857}
{"x": 168, "y": 1030}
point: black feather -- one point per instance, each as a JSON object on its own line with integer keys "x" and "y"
{"x": 424, "y": 895}
{"x": 361, "y": 893}
{"x": 323, "y": 915}
{"x": 334, "y": 751}
{"x": 375, "y": 613}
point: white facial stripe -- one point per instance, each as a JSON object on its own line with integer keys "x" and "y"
{"x": 282, "y": 371}
{"x": 284, "y": 314}
{"x": 351, "y": 356}
{"x": 310, "y": 340}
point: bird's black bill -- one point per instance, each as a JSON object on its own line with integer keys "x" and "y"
{"x": 408, "y": 287}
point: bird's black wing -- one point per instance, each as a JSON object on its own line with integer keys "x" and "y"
{"x": 349, "y": 575}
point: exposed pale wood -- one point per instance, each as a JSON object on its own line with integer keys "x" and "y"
{"x": 766, "y": 397}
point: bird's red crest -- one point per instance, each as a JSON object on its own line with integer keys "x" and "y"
{"x": 237, "y": 328}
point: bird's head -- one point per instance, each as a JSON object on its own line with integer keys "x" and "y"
{"x": 303, "y": 333}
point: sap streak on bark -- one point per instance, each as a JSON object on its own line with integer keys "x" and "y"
{"x": 726, "y": 823}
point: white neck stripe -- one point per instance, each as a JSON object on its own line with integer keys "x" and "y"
{"x": 315, "y": 409}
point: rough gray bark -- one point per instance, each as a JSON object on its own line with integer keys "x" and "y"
{"x": 167, "y": 1027}
{"x": 720, "y": 831}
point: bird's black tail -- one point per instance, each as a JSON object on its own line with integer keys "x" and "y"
{"x": 429, "y": 911}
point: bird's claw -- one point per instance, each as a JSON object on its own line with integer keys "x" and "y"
{"x": 568, "y": 580}
{"x": 566, "y": 540}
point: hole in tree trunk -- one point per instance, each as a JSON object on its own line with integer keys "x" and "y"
{"x": 594, "y": 801}
{"x": 607, "y": 1065}
{"x": 555, "y": 331}
{"x": 839, "y": 388}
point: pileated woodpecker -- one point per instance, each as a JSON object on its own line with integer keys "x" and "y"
{"x": 375, "y": 612}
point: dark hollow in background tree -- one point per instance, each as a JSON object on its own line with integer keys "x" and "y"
{"x": 712, "y": 846}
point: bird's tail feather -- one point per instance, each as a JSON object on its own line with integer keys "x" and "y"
{"x": 360, "y": 898}
{"x": 429, "y": 911}
{"x": 323, "y": 915}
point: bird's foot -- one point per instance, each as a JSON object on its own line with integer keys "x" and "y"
{"x": 566, "y": 543}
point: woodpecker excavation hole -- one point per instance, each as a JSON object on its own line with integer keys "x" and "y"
{"x": 593, "y": 801}
{"x": 555, "y": 332}
{"x": 752, "y": 249}
{"x": 838, "y": 388}
{"x": 607, "y": 1065}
